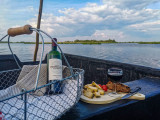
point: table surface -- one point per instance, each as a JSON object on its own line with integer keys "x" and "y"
{"x": 150, "y": 87}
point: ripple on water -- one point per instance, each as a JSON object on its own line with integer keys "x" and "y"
{"x": 139, "y": 54}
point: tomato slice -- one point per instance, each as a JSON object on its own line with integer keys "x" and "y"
{"x": 100, "y": 85}
{"x": 104, "y": 87}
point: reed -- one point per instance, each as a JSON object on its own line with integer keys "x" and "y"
{"x": 84, "y": 42}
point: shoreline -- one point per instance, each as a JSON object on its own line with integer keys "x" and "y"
{"x": 86, "y": 43}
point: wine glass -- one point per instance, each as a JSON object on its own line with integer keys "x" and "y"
{"x": 115, "y": 75}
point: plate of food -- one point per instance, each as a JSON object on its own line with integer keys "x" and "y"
{"x": 99, "y": 94}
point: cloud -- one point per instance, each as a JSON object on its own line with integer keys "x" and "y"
{"x": 98, "y": 35}
{"x": 114, "y": 19}
{"x": 108, "y": 34}
{"x": 131, "y": 4}
{"x": 147, "y": 28}
{"x": 120, "y": 16}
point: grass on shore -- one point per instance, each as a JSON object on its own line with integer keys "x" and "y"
{"x": 148, "y": 42}
{"x": 154, "y": 42}
{"x": 73, "y": 42}
{"x": 84, "y": 42}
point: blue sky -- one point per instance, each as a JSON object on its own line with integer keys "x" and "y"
{"x": 122, "y": 20}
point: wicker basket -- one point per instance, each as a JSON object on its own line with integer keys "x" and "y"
{"x": 23, "y": 92}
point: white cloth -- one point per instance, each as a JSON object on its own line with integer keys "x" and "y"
{"x": 41, "y": 107}
{"x": 38, "y": 107}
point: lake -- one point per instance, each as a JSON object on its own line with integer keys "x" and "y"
{"x": 139, "y": 54}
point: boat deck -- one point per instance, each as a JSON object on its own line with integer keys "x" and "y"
{"x": 147, "y": 109}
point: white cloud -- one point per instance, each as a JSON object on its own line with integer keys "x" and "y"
{"x": 151, "y": 28}
{"x": 114, "y": 19}
{"x": 108, "y": 34}
{"x": 94, "y": 20}
{"x": 131, "y": 4}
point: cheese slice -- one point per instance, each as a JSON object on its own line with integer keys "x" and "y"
{"x": 88, "y": 94}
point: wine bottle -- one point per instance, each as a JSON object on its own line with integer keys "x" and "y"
{"x": 54, "y": 63}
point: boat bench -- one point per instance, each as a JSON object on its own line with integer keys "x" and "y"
{"x": 7, "y": 62}
{"x": 148, "y": 109}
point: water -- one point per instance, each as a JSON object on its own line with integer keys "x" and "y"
{"x": 139, "y": 54}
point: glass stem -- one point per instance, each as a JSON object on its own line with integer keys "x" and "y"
{"x": 115, "y": 90}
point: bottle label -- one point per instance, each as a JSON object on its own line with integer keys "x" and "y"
{"x": 55, "y": 69}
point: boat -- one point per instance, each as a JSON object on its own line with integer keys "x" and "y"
{"x": 95, "y": 70}
{"x": 26, "y": 104}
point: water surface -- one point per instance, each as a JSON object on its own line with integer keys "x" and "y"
{"x": 139, "y": 54}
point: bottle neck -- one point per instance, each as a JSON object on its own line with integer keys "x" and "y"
{"x": 54, "y": 45}
{"x": 54, "y": 48}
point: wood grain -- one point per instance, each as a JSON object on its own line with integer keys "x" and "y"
{"x": 106, "y": 99}
{"x": 20, "y": 30}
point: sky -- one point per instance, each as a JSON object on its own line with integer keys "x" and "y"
{"x": 67, "y": 20}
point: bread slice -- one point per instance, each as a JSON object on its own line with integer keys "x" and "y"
{"x": 110, "y": 85}
{"x": 122, "y": 88}
{"x": 119, "y": 87}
